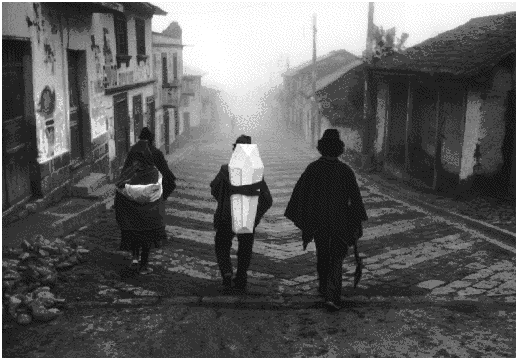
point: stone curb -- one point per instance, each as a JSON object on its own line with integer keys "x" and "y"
{"x": 410, "y": 196}
{"x": 283, "y": 300}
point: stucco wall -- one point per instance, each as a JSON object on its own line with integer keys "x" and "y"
{"x": 381, "y": 119}
{"x": 453, "y": 114}
{"x": 485, "y": 121}
{"x": 492, "y": 124}
{"x": 14, "y": 16}
{"x": 49, "y": 81}
{"x": 471, "y": 132}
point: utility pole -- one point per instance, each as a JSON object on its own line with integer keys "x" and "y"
{"x": 316, "y": 118}
{"x": 367, "y": 91}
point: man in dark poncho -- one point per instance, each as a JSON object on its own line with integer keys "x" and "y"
{"x": 145, "y": 182}
{"x": 326, "y": 205}
{"x": 221, "y": 189}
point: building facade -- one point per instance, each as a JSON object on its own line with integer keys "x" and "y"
{"x": 443, "y": 115}
{"x": 72, "y": 73}
{"x": 191, "y": 103}
{"x": 331, "y": 85}
{"x": 168, "y": 60}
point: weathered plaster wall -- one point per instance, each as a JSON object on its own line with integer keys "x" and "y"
{"x": 453, "y": 113}
{"x": 381, "y": 119}
{"x": 492, "y": 122}
{"x": 49, "y": 83}
{"x": 100, "y": 70}
{"x": 471, "y": 133}
{"x": 14, "y": 19}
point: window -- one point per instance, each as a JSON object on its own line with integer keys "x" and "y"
{"x": 164, "y": 68}
{"x": 175, "y": 65}
{"x": 140, "y": 28}
{"x": 121, "y": 34}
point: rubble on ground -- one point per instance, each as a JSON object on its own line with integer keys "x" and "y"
{"x": 27, "y": 281}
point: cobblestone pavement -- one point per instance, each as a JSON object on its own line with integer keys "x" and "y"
{"x": 432, "y": 288}
{"x": 408, "y": 252}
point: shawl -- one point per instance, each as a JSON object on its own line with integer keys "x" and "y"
{"x": 222, "y": 189}
{"x": 137, "y": 206}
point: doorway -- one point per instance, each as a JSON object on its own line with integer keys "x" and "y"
{"x": 78, "y": 101}
{"x": 422, "y": 138}
{"x": 166, "y": 130}
{"x": 137, "y": 116}
{"x": 150, "y": 100}
{"x": 121, "y": 125}
{"x": 396, "y": 134}
{"x": 186, "y": 122}
{"x": 508, "y": 172}
{"x": 176, "y": 123}
{"x": 18, "y": 123}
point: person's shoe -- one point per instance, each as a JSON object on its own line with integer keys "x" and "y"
{"x": 146, "y": 270}
{"x": 134, "y": 266}
{"x": 332, "y": 306}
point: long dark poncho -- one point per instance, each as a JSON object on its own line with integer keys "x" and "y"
{"x": 144, "y": 221}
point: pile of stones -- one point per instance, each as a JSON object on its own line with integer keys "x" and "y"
{"x": 31, "y": 271}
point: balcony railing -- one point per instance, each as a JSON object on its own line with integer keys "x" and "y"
{"x": 170, "y": 98}
{"x": 175, "y": 83}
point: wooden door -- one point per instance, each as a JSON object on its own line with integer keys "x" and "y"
{"x": 166, "y": 130}
{"x": 164, "y": 69}
{"x": 76, "y": 118}
{"x": 121, "y": 125}
{"x": 422, "y": 139}
{"x": 151, "y": 113}
{"x": 16, "y": 135}
{"x": 176, "y": 123}
{"x": 137, "y": 116}
{"x": 396, "y": 134}
{"x": 186, "y": 122}
{"x": 450, "y": 136}
{"x": 175, "y": 66}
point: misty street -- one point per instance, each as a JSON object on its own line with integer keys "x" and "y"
{"x": 426, "y": 279}
{"x": 245, "y": 179}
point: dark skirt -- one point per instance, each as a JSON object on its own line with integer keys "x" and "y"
{"x": 131, "y": 239}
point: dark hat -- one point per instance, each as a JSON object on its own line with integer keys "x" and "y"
{"x": 146, "y": 134}
{"x": 331, "y": 134}
{"x": 244, "y": 139}
{"x": 330, "y": 144}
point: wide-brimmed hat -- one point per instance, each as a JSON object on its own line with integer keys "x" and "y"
{"x": 146, "y": 134}
{"x": 331, "y": 136}
{"x": 243, "y": 139}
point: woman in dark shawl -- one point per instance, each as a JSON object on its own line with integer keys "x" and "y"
{"x": 144, "y": 184}
{"x": 326, "y": 204}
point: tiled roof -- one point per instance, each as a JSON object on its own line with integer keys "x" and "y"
{"x": 323, "y": 82}
{"x": 326, "y": 64}
{"x": 466, "y": 50}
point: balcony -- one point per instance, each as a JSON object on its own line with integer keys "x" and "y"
{"x": 170, "y": 98}
{"x": 175, "y": 83}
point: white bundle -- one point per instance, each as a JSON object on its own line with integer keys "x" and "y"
{"x": 144, "y": 193}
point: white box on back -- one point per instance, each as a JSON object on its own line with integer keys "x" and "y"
{"x": 245, "y": 168}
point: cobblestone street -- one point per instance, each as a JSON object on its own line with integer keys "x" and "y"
{"x": 412, "y": 257}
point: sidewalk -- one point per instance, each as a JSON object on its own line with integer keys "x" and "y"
{"x": 71, "y": 213}
{"x": 493, "y": 216}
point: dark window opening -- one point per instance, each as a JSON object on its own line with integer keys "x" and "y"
{"x": 140, "y": 28}
{"x": 121, "y": 34}
{"x": 175, "y": 66}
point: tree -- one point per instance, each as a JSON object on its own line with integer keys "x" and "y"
{"x": 385, "y": 43}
